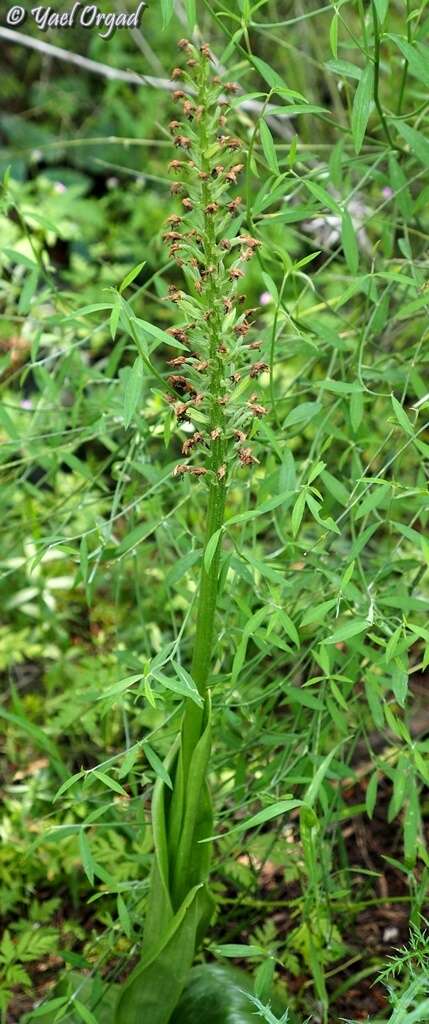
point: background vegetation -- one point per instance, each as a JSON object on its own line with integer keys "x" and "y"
{"x": 322, "y": 630}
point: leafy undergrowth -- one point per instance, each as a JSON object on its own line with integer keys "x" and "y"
{"x": 319, "y": 686}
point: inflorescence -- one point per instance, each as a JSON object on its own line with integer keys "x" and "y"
{"x": 210, "y": 381}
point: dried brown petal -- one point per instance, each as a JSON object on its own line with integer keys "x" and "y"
{"x": 257, "y": 369}
{"x": 190, "y": 442}
{"x": 257, "y": 410}
{"x": 246, "y": 457}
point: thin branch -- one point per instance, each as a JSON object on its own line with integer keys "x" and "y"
{"x": 115, "y": 74}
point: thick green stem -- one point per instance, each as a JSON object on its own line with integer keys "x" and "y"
{"x": 203, "y": 648}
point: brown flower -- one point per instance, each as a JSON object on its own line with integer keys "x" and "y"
{"x": 182, "y": 141}
{"x": 179, "y": 333}
{"x": 174, "y": 165}
{"x": 190, "y": 442}
{"x": 246, "y": 457}
{"x": 257, "y": 369}
{"x": 234, "y": 204}
{"x": 257, "y": 410}
{"x": 193, "y": 470}
{"x": 232, "y": 173}
{"x": 242, "y": 329}
{"x": 177, "y": 361}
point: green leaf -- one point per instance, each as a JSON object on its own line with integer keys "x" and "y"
{"x": 135, "y": 537}
{"x": 157, "y": 765}
{"x": 349, "y": 242}
{"x": 221, "y": 994}
{"x": 67, "y": 785}
{"x": 268, "y": 147}
{"x": 382, "y": 7}
{"x": 270, "y": 76}
{"x": 362, "y": 106}
{"x": 152, "y": 991}
{"x": 316, "y": 782}
{"x": 371, "y": 794}
{"x": 323, "y": 196}
{"x": 109, "y": 782}
{"x": 402, "y": 417}
{"x": 86, "y": 856}
{"x": 301, "y": 416}
{"x": 27, "y": 292}
{"x": 181, "y": 567}
{"x": 191, "y": 14}
{"x": 124, "y": 917}
{"x": 318, "y": 612}
{"x": 120, "y": 686}
{"x": 298, "y": 512}
{"x": 347, "y": 631}
{"x": 267, "y": 814}
{"x": 261, "y": 510}
{"x": 133, "y": 388}
{"x": 182, "y": 683}
{"x": 289, "y": 627}
{"x": 419, "y": 145}
{"x": 131, "y": 276}
{"x": 211, "y": 548}
{"x": 416, "y": 55}
{"x": 84, "y": 1012}
{"x": 344, "y": 68}
{"x": 161, "y": 337}
{"x": 333, "y": 35}
{"x": 51, "y": 1006}
{"x": 18, "y": 257}
{"x": 236, "y": 950}
{"x": 356, "y": 410}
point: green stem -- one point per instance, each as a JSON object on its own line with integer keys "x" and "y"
{"x": 377, "y": 76}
